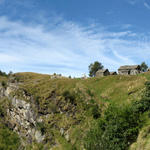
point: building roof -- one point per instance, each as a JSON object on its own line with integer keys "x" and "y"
{"x": 102, "y": 70}
{"x": 127, "y": 67}
{"x": 113, "y": 72}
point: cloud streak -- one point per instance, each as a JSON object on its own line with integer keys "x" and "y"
{"x": 146, "y": 5}
{"x": 66, "y": 48}
{"x": 133, "y": 2}
{"x": 143, "y": 2}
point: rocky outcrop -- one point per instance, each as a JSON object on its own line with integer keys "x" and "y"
{"x": 23, "y": 120}
{"x": 21, "y": 115}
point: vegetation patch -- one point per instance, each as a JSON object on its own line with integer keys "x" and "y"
{"x": 119, "y": 127}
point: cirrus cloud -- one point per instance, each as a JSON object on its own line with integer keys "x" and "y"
{"x": 66, "y": 47}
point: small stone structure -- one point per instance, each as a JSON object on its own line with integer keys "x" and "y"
{"x": 102, "y": 72}
{"x": 129, "y": 70}
{"x": 113, "y": 73}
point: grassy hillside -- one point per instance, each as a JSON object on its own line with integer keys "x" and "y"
{"x": 111, "y": 88}
{"x": 69, "y": 107}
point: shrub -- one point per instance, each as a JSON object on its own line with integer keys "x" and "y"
{"x": 115, "y": 131}
{"x": 144, "y": 104}
{"x": 4, "y": 84}
{"x": 90, "y": 93}
{"x": 69, "y": 96}
{"x": 17, "y": 78}
{"x": 120, "y": 125}
{"x": 95, "y": 111}
{"x": 3, "y": 73}
{"x": 37, "y": 100}
{"x": 2, "y": 112}
{"x": 41, "y": 127}
{"x": 8, "y": 139}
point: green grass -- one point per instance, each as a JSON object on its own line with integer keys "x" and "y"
{"x": 8, "y": 139}
{"x": 48, "y": 95}
{"x": 112, "y": 88}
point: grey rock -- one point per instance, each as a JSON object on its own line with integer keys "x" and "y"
{"x": 38, "y": 136}
{"x": 62, "y": 131}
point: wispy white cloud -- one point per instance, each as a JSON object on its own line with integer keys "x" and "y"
{"x": 126, "y": 26}
{"x": 66, "y": 47}
{"x": 146, "y": 5}
{"x": 133, "y": 2}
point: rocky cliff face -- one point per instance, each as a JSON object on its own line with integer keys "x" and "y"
{"x": 23, "y": 120}
{"x": 21, "y": 116}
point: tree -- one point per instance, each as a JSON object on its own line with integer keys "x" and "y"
{"x": 144, "y": 67}
{"x": 3, "y": 73}
{"x": 94, "y": 67}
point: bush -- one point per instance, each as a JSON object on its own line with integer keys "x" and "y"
{"x": 4, "y": 84}
{"x": 41, "y": 127}
{"x": 37, "y": 100}
{"x": 115, "y": 131}
{"x": 69, "y": 96}
{"x": 2, "y": 112}
{"x": 144, "y": 104}
{"x": 119, "y": 127}
{"x": 95, "y": 111}
{"x": 3, "y": 74}
{"x": 8, "y": 139}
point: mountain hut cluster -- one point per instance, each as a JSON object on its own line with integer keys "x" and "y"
{"x": 123, "y": 70}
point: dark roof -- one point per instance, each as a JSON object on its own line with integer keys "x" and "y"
{"x": 127, "y": 67}
{"x": 102, "y": 71}
{"x": 112, "y": 73}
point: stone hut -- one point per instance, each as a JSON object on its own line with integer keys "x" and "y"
{"x": 113, "y": 73}
{"x": 102, "y": 72}
{"x": 129, "y": 70}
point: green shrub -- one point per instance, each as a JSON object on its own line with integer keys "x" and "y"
{"x": 119, "y": 126}
{"x": 90, "y": 93}
{"x": 3, "y": 73}
{"x": 8, "y": 139}
{"x": 94, "y": 111}
{"x": 115, "y": 131}
{"x": 37, "y": 100}
{"x": 69, "y": 96}
{"x": 41, "y": 127}
{"x": 4, "y": 84}
{"x": 2, "y": 112}
{"x": 144, "y": 104}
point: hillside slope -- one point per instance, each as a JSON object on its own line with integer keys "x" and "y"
{"x": 41, "y": 112}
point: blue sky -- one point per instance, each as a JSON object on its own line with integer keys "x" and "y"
{"x": 65, "y": 36}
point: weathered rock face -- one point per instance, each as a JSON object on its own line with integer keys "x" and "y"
{"x": 23, "y": 120}
{"x": 21, "y": 116}
{"x": 10, "y": 88}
